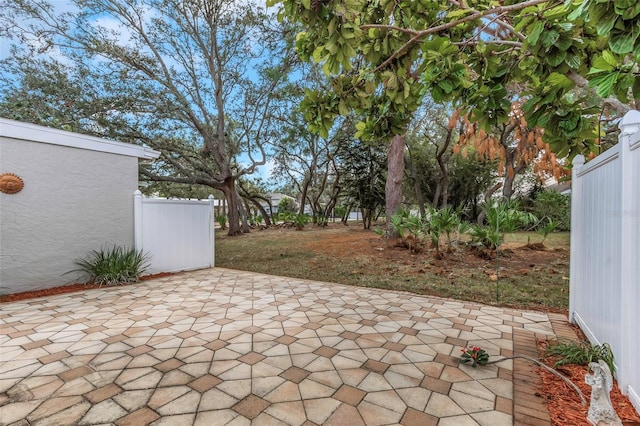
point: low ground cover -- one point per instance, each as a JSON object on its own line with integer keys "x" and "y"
{"x": 525, "y": 278}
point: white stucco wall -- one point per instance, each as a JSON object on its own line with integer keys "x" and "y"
{"x": 74, "y": 201}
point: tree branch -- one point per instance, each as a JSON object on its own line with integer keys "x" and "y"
{"x": 613, "y": 103}
{"x": 476, "y": 15}
{"x": 418, "y": 35}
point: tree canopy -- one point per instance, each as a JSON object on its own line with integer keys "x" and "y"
{"x": 566, "y": 61}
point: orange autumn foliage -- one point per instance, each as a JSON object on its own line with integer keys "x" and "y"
{"x": 515, "y": 145}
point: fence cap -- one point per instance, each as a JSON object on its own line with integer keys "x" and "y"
{"x": 578, "y": 160}
{"x": 630, "y": 123}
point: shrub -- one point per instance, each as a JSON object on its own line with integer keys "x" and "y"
{"x": 545, "y": 227}
{"x": 581, "y": 353}
{"x": 222, "y": 220}
{"x": 300, "y": 220}
{"x": 255, "y": 220}
{"x": 414, "y": 231}
{"x": 553, "y": 206}
{"x": 410, "y": 228}
{"x": 444, "y": 221}
{"x": 322, "y": 220}
{"x": 485, "y": 236}
{"x": 501, "y": 218}
{"x": 287, "y": 205}
{"x": 285, "y": 217}
{"x": 113, "y": 266}
{"x": 340, "y": 211}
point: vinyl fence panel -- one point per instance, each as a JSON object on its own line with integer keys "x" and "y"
{"x": 178, "y": 234}
{"x": 605, "y": 252}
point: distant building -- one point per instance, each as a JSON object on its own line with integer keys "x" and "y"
{"x": 276, "y": 198}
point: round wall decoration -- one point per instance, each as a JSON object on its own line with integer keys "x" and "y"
{"x": 10, "y": 183}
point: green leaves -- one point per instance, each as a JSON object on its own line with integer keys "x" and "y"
{"x": 622, "y": 41}
{"x": 604, "y": 83}
{"x": 320, "y": 109}
{"x": 114, "y": 266}
{"x": 535, "y": 32}
{"x": 409, "y": 52}
{"x": 618, "y": 21}
{"x": 606, "y": 23}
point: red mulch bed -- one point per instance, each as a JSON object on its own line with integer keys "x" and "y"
{"x": 64, "y": 289}
{"x": 47, "y": 292}
{"x": 564, "y": 404}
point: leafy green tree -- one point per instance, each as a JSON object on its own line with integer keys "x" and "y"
{"x": 191, "y": 78}
{"x": 363, "y": 168}
{"x": 554, "y": 207}
{"x": 435, "y": 174}
{"x": 287, "y": 206}
{"x": 471, "y": 179}
{"x": 565, "y": 59}
{"x": 386, "y": 96}
{"x": 305, "y": 159}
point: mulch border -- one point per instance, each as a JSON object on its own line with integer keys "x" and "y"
{"x": 529, "y": 406}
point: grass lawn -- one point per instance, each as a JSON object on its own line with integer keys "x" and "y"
{"x": 533, "y": 279}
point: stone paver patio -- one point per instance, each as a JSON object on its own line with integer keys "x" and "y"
{"x": 218, "y": 347}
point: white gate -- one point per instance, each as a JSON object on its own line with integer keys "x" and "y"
{"x": 604, "y": 297}
{"x": 178, "y": 234}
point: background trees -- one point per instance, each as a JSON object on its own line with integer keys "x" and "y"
{"x": 190, "y": 78}
{"x": 215, "y": 86}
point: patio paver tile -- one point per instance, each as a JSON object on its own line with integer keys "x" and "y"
{"x": 230, "y": 347}
{"x": 251, "y": 406}
{"x": 349, "y": 395}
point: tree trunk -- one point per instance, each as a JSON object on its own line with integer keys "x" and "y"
{"x": 395, "y": 173}
{"x": 507, "y": 187}
{"x": 416, "y": 186}
{"x": 443, "y": 183}
{"x": 233, "y": 215}
{"x": 366, "y": 218}
{"x": 347, "y": 213}
{"x": 303, "y": 194}
{"x": 263, "y": 212}
{"x": 445, "y": 189}
{"x": 487, "y": 198}
{"x": 242, "y": 213}
{"x": 436, "y": 194}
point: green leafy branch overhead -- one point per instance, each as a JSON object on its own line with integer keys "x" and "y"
{"x": 567, "y": 60}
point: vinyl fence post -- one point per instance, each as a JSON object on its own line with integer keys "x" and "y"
{"x": 137, "y": 219}
{"x": 212, "y": 239}
{"x": 575, "y": 269}
{"x": 629, "y": 141}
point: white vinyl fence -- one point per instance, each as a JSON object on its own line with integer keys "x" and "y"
{"x": 178, "y": 234}
{"x": 605, "y": 252}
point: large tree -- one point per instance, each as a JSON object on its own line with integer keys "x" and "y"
{"x": 302, "y": 158}
{"x": 565, "y": 59}
{"x": 192, "y": 78}
{"x": 435, "y": 174}
{"x": 384, "y": 90}
{"x": 363, "y": 167}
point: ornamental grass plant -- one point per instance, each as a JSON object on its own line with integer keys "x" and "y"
{"x": 114, "y": 266}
